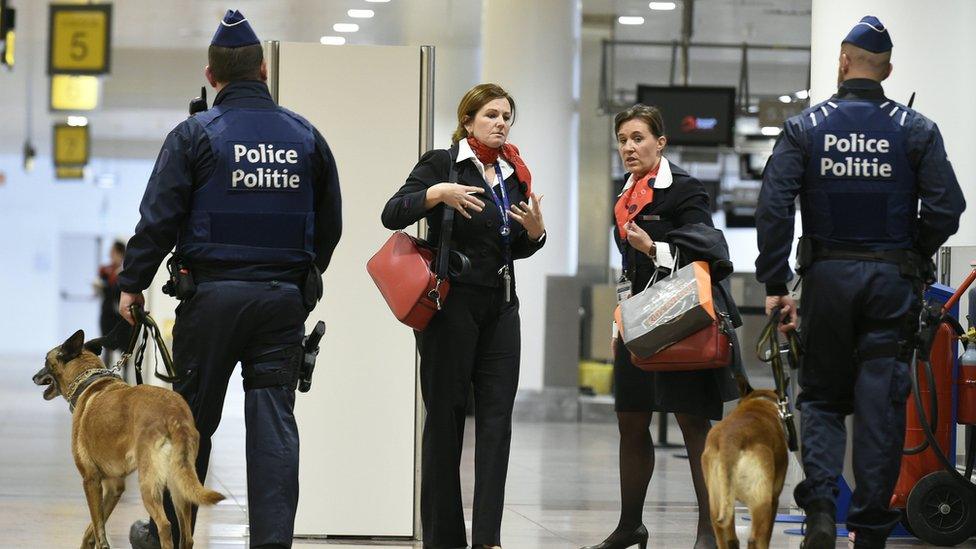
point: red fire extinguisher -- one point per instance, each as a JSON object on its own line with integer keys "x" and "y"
{"x": 966, "y": 411}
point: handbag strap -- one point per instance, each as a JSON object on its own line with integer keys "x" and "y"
{"x": 674, "y": 269}
{"x": 447, "y": 226}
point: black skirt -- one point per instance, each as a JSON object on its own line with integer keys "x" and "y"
{"x": 699, "y": 393}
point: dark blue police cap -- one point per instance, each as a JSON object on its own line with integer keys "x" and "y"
{"x": 234, "y": 32}
{"x": 870, "y": 34}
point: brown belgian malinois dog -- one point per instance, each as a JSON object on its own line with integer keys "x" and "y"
{"x": 745, "y": 459}
{"x": 117, "y": 428}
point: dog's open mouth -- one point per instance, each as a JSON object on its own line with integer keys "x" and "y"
{"x": 48, "y": 380}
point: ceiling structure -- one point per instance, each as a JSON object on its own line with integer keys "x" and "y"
{"x": 159, "y": 51}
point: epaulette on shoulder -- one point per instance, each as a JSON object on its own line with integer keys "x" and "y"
{"x": 816, "y": 114}
{"x": 900, "y": 113}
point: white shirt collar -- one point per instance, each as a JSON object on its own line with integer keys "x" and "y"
{"x": 662, "y": 181}
{"x": 465, "y": 153}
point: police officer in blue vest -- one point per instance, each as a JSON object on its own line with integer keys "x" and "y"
{"x": 878, "y": 197}
{"x": 248, "y": 194}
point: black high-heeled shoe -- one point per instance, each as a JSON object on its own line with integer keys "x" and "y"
{"x": 623, "y": 540}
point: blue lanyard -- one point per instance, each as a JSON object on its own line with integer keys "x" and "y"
{"x": 503, "y": 205}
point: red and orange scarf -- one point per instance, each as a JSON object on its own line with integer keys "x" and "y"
{"x": 633, "y": 200}
{"x": 509, "y": 152}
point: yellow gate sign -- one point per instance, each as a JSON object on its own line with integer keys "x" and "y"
{"x": 74, "y": 93}
{"x": 79, "y": 39}
{"x": 69, "y": 173}
{"x": 71, "y": 145}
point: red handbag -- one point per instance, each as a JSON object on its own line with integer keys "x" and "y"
{"x": 705, "y": 349}
{"x": 401, "y": 269}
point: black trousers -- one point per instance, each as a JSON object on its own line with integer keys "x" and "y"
{"x": 224, "y": 323}
{"x": 475, "y": 341}
{"x": 855, "y": 315}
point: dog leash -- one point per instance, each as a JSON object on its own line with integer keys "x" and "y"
{"x": 769, "y": 349}
{"x": 147, "y": 328}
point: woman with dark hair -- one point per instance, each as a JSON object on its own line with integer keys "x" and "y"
{"x": 474, "y": 339}
{"x": 659, "y": 199}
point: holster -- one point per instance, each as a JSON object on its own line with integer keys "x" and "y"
{"x": 804, "y": 254}
{"x": 312, "y": 288}
{"x": 180, "y": 284}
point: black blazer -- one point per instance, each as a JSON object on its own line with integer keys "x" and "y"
{"x": 478, "y": 238}
{"x": 683, "y": 203}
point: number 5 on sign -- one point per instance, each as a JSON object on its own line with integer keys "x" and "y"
{"x": 79, "y": 40}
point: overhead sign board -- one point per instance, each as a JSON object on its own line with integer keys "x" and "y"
{"x": 74, "y": 93}
{"x": 79, "y": 38}
{"x": 71, "y": 145}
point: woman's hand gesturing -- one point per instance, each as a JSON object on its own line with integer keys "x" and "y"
{"x": 459, "y": 197}
{"x": 639, "y": 239}
{"x": 530, "y": 216}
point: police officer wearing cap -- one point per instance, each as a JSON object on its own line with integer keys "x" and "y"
{"x": 248, "y": 194}
{"x": 878, "y": 197}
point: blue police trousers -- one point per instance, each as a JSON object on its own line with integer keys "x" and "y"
{"x": 226, "y": 322}
{"x": 856, "y": 314}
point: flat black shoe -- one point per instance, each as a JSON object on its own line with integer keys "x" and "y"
{"x": 820, "y": 528}
{"x": 141, "y": 536}
{"x": 623, "y": 540}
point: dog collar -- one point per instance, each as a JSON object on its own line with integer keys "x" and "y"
{"x": 83, "y": 381}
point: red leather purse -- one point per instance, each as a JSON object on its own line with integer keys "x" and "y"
{"x": 705, "y": 349}
{"x": 402, "y": 271}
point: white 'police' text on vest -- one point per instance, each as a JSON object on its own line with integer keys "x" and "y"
{"x": 856, "y": 158}
{"x": 274, "y": 174}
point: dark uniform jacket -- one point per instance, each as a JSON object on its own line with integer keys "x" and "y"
{"x": 478, "y": 238}
{"x": 680, "y": 217}
{"x": 185, "y": 162}
{"x": 941, "y": 199}
{"x": 684, "y": 202}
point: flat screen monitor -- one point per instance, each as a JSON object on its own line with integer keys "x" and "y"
{"x": 693, "y": 115}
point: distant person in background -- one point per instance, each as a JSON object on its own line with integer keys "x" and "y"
{"x": 108, "y": 286}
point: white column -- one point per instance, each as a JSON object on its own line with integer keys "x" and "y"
{"x": 532, "y": 50}
{"x": 934, "y": 51}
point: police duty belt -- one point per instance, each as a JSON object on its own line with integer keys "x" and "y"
{"x": 769, "y": 349}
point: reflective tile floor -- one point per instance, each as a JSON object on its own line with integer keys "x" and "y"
{"x": 562, "y": 488}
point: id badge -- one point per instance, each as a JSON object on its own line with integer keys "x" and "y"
{"x": 623, "y": 289}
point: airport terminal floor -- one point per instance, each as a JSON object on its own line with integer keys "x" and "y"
{"x": 562, "y": 489}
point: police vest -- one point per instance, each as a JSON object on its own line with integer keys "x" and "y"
{"x": 257, "y": 206}
{"x": 859, "y": 189}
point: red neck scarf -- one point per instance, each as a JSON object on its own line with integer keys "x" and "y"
{"x": 633, "y": 200}
{"x": 488, "y": 155}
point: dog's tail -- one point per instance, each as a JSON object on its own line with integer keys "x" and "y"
{"x": 718, "y": 478}
{"x": 186, "y": 444}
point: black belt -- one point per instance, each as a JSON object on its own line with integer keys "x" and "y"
{"x": 897, "y": 257}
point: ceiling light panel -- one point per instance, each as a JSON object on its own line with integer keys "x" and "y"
{"x": 333, "y": 40}
{"x": 662, "y": 6}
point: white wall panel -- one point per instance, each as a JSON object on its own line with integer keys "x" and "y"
{"x": 357, "y": 423}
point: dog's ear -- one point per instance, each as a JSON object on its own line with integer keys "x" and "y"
{"x": 72, "y": 346}
{"x": 744, "y": 387}
{"x": 95, "y": 345}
